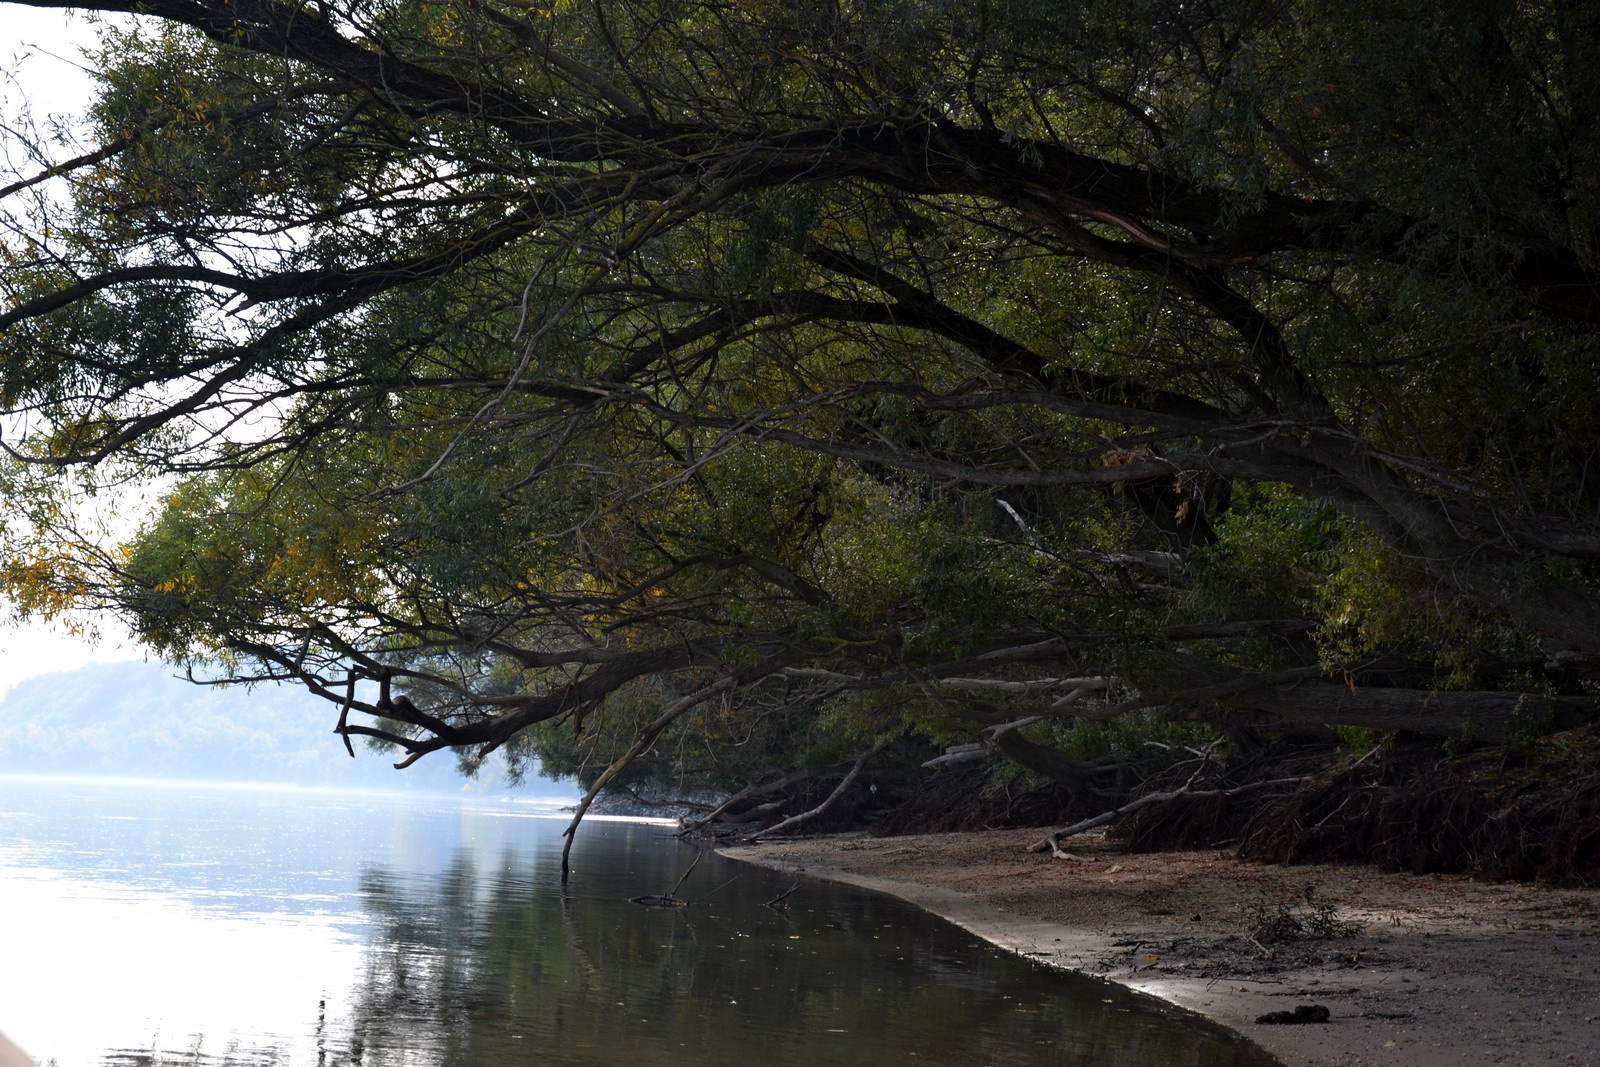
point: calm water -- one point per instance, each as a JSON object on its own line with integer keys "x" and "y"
{"x": 145, "y": 925}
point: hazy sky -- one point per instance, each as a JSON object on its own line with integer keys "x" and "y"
{"x": 41, "y": 65}
{"x": 40, "y": 51}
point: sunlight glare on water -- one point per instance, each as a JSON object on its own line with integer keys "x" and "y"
{"x": 156, "y": 969}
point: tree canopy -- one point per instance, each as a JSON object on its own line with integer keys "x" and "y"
{"x": 733, "y": 386}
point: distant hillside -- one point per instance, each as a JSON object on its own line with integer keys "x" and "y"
{"x": 141, "y": 720}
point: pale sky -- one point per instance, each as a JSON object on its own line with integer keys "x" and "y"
{"x": 41, "y": 51}
{"x": 34, "y": 650}
{"x": 40, "y": 60}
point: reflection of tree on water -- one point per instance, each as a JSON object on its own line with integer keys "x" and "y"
{"x": 490, "y": 961}
{"x": 494, "y": 964}
{"x": 425, "y": 970}
{"x": 195, "y": 1054}
{"x": 463, "y": 968}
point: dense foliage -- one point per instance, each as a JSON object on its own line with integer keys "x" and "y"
{"x": 734, "y": 386}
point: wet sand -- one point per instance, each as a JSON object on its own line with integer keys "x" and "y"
{"x": 1421, "y": 970}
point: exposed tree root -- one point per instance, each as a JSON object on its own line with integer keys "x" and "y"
{"x": 1532, "y": 816}
{"x": 1527, "y": 814}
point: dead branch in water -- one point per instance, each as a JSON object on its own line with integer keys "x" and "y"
{"x": 780, "y": 901}
{"x": 669, "y": 899}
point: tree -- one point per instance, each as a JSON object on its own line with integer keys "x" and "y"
{"x": 698, "y": 375}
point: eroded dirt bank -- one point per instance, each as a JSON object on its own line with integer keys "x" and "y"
{"x": 1421, "y": 971}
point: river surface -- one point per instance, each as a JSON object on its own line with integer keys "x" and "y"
{"x": 212, "y": 926}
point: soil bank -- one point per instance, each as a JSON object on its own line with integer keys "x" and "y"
{"x": 1423, "y": 970}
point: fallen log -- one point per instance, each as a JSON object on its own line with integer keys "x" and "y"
{"x": 1052, "y": 842}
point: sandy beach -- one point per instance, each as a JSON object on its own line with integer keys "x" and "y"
{"x": 1420, "y": 970}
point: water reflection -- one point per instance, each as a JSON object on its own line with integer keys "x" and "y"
{"x": 375, "y": 935}
{"x": 499, "y": 965}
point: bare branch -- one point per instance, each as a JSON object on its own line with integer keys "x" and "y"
{"x": 831, "y": 799}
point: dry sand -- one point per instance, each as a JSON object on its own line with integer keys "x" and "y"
{"x": 1438, "y": 969}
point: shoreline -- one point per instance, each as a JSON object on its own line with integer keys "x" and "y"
{"x": 1424, "y": 971}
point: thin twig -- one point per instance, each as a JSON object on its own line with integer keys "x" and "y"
{"x": 686, "y": 874}
{"x": 778, "y": 901}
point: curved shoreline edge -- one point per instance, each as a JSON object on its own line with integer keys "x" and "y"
{"x": 1052, "y": 944}
{"x": 1443, "y": 972}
